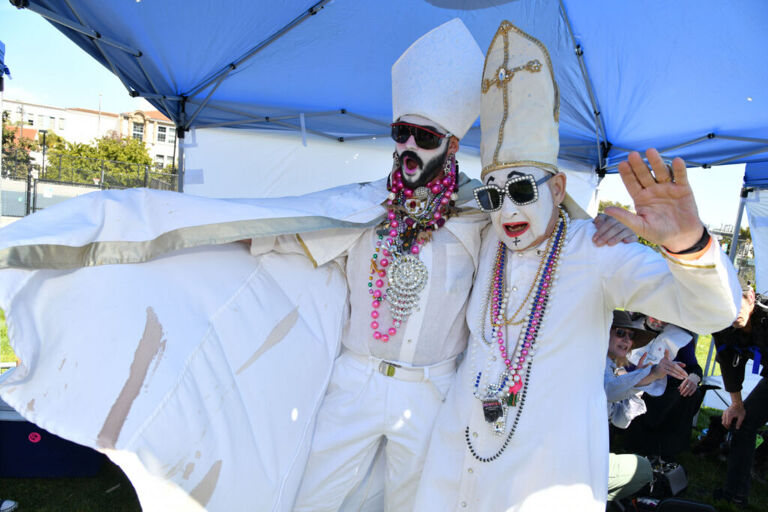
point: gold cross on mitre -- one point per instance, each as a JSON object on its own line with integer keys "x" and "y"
{"x": 504, "y": 75}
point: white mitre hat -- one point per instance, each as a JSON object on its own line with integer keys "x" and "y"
{"x": 437, "y": 77}
{"x": 520, "y": 107}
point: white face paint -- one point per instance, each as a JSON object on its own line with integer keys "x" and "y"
{"x": 521, "y": 227}
{"x": 419, "y": 165}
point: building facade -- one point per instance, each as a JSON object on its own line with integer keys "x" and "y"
{"x": 79, "y": 125}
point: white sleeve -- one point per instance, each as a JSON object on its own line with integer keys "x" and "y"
{"x": 701, "y": 294}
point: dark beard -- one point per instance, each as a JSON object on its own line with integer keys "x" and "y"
{"x": 429, "y": 171}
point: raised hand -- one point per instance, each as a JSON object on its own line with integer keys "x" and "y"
{"x": 669, "y": 367}
{"x": 641, "y": 363}
{"x": 666, "y": 210}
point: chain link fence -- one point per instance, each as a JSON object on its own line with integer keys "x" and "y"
{"x": 28, "y": 185}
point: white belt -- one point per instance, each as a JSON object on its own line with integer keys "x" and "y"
{"x": 404, "y": 372}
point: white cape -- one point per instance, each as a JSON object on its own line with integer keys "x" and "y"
{"x": 198, "y": 368}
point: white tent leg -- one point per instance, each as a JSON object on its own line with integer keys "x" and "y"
{"x": 732, "y": 256}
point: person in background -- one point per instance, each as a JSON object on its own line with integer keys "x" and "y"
{"x": 665, "y": 429}
{"x": 628, "y": 473}
{"x": 746, "y": 339}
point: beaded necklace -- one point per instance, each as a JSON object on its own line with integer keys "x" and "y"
{"x": 411, "y": 218}
{"x": 510, "y": 388}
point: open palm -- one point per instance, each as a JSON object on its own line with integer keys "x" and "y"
{"x": 664, "y": 202}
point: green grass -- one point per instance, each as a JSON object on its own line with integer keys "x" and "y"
{"x": 109, "y": 490}
{"x": 702, "y": 350}
{"x": 707, "y": 472}
{"x": 6, "y": 352}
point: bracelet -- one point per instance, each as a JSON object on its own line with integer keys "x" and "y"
{"x": 702, "y": 243}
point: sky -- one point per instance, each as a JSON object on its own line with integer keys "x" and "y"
{"x": 48, "y": 68}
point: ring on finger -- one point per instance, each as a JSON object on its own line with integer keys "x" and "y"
{"x": 671, "y": 174}
{"x": 670, "y": 178}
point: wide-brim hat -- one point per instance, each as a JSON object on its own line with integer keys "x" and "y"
{"x": 520, "y": 107}
{"x": 624, "y": 320}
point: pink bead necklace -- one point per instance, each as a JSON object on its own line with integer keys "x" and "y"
{"x": 411, "y": 216}
{"x": 510, "y": 389}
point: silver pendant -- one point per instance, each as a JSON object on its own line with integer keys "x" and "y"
{"x": 407, "y": 277}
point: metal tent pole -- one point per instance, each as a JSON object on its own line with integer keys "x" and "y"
{"x": 735, "y": 236}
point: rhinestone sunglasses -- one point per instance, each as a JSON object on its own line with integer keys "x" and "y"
{"x": 426, "y": 137}
{"x": 522, "y": 190}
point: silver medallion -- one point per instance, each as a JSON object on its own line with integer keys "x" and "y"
{"x": 407, "y": 277}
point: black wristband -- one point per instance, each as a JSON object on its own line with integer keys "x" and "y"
{"x": 702, "y": 243}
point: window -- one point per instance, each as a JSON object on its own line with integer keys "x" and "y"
{"x": 40, "y": 119}
{"x": 61, "y": 124}
{"x": 30, "y": 119}
{"x": 161, "y": 133}
{"x": 52, "y": 123}
{"x": 159, "y": 161}
{"x": 138, "y": 131}
{"x": 171, "y": 135}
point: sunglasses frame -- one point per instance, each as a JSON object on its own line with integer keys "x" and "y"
{"x": 626, "y": 331}
{"x": 505, "y": 191}
{"x": 415, "y": 128}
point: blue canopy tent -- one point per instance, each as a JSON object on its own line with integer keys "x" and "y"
{"x": 685, "y": 77}
{"x": 3, "y": 68}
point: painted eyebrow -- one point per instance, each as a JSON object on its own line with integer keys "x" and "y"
{"x": 515, "y": 173}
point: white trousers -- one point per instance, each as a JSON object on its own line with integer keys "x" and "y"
{"x": 361, "y": 409}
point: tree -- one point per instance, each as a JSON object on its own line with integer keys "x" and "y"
{"x": 605, "y": 204}
{"x": 17, "y": 160}
{"x": 121, "y": 162}
{"x": 745, "y": 234}
{"x": 53, "y": 141}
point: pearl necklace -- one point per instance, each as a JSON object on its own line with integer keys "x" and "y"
{"x": 412, "y": 215}
{"x": 510, "y": 387}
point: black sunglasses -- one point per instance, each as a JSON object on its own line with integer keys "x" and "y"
{"x": 621, "y": 332}
{"x": 426, "y": 137}
{"x": 522, "y": 190}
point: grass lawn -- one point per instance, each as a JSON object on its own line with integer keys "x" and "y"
{"x": 6, "y": 352}
{"x": 702, "y": 351}
{"x": 111, "y": 490}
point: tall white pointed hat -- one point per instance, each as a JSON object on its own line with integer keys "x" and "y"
{"x": 520, "y": 107}
{"x": 437, "y": 78}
